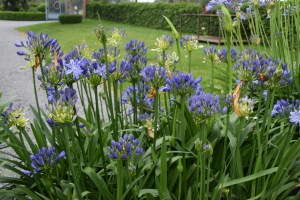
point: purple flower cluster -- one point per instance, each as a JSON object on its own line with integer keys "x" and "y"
{"x": 204, "y": 106}
{"x": 181, "y": 84}
{"x": 45, "y": 159}
{"x": 126, "y": 148}
{"x": 155, "y": 76}
{"x": 37, "y": 44}
{"x": 283, "y": 107}
{"x": 120, "y": 71}
{"x": 232, "y": 4}
{"x": 136, "y": 47}
{"x": 127, "y": 95}
{"x": 223, "y": 55}
{"x": 211, "y": 53}
{"x": 53, "y": 74}
{"x": 228, "y": 100}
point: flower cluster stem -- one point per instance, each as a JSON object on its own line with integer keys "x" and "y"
{"x": 182, "y": 132}
{"x": 119, "y": 178}
{"x": 36, "y": 98}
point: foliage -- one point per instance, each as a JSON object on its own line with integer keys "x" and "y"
{"x": 150, "y": 15}
{"x": 41, "y": 7}
{"x": 26, "y": 16}
{"x": 69, "y": 19}
{"x": 237, "y": 143}
{"x": 13, "y": 5}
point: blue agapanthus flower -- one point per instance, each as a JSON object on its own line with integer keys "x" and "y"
{"x": 295, "y": 117}
{"x": 134, "y": 47}
{"x": 74, "y": 69}
{"x": 45, "y": 159}
{"x": 126, "y": 148}
{"x": 204, "y": 106}
{"x": 211, "y": 53}
{"x": 181, "y": 84}
{"x": 284, "y": 107}
{"x": 36, "y": 44}
{"x": 155, "y": 76}
{"x": 223, "y": 55}
{"x": 119, "y": 71}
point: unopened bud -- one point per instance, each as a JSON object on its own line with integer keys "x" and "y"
{"x": 180, "y": 167}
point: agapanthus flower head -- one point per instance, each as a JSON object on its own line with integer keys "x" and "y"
{"x": 132, "y": 169}
{"x": 134, "y": 47}
{"x": 126, "y": 148}
{"x": 37, "y": 44}
{"x": 276, "y": 74}
{"x": 15, "y": 116}
{"x": 62, "y": 110}
{"x": 223, "y": 55}
{"x": 228, "y": 101}
{"x": 181, "y": 84}
{"x": 95, "y": 74}
{"x": 248, "y": 70}
{"x": 75, "y": 69}
{"x": 44, "y": 160}
{"x": 78, "y": 52}
{"x": 128, "y": 96}
{"x": 155, "y": 76}
{"x": 284, "y": 107}
{"x": 190, "y": 43}
{"x": 249, "y": 54}
{"x": 32, "y": 61}
{"x": 147, "y": 120}
{"x": 120, "y": 71}
{"x": 211, "y": 53}
{"x": 100, "y": 33}
{"x": 54, "y": 73}
{"x": 248, "y": 14}
{"x": 204, "y": 106}
{"x": 116, "y": 36}
{"x": 295, "y": 117}
{"x": 112, "y": 54}
{"x": 163, "y": 43}
{"x": 245, "y": 106}
{"x": 255, "y": 39}
{"x": 277, "y": 36}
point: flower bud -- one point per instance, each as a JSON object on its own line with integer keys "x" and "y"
{"x": 180, "y": 167}
{"x": 198, "y": 145}
{"x": 239, "y": 15}
{"x": 172, "y": 141}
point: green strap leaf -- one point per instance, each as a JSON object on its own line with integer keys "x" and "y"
{"x": 28, "y": 192}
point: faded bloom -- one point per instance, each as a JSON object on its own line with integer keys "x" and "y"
{"x": 189, "y": 43}
{"x": 163, "y": 43}
{"x": 245, "y": 106}
{"x": 15, "y": 117}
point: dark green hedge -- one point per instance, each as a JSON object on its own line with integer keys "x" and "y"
{"x": 22, "y": 16}
{"x": 69, "y": 19}
{"x": 150, "y": 15}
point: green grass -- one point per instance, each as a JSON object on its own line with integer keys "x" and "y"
{"x": 69, "y": 35}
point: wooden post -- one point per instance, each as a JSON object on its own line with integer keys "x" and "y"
{"x": 198, "y": 27}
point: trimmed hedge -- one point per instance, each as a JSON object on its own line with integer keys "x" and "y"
{"x": 22, "y": 16}
{"x": 69, "y": 19}
{"x": 150, "y": 15}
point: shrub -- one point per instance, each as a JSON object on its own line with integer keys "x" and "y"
{"x": 32, "y": 9}
{"x": 41, "y": 7}
{"x": 150, "y": 15}
{"x": 69, "y": 19}
{"x": 23, "y": 16}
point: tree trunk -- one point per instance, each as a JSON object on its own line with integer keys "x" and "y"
{"x": 71, "y": 5}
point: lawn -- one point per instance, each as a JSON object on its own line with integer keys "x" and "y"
{"x": 69, "y": 35}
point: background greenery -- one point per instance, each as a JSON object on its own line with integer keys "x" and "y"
{"x": 22, "y": 16}
{"x": 69, "y": 19}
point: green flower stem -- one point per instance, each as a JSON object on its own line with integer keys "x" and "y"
{"x": 179, "y": 186}
{"x": 212, "y": 78}
{"x": 208, "y": 173}
{"x": 115, "y": 135}
{"x": 229, "y": 71}
{"x": 140, "y": 97}
{"x": 179, "y": 56}
{"x": 134, "y": 105}
{"x": 119, "y": 178}
{"x": 240, "y": 35}
{"x": 69, "y": 158}
{"x": 190, "y": 62}
{"x": 80, "y": 91}
{"x": 116, "y": 104}
{"x": 50, "y": 193}
{"x": 182, "y": 132}
{"x": 198, "y": 172}
{"x": 202, "y": 158}
{"x": 174, "y": 121}
{"x": 36, "y": 98}
{"x": 156, "y": 116}
{"x": 129, "y": 179}
{"x": 225, "y": 144}
{"x": 89, "y": 98}
{"x": 268, "y": 127}
{"x": 236, "y": 152}
{"x": 100, "y": 148}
